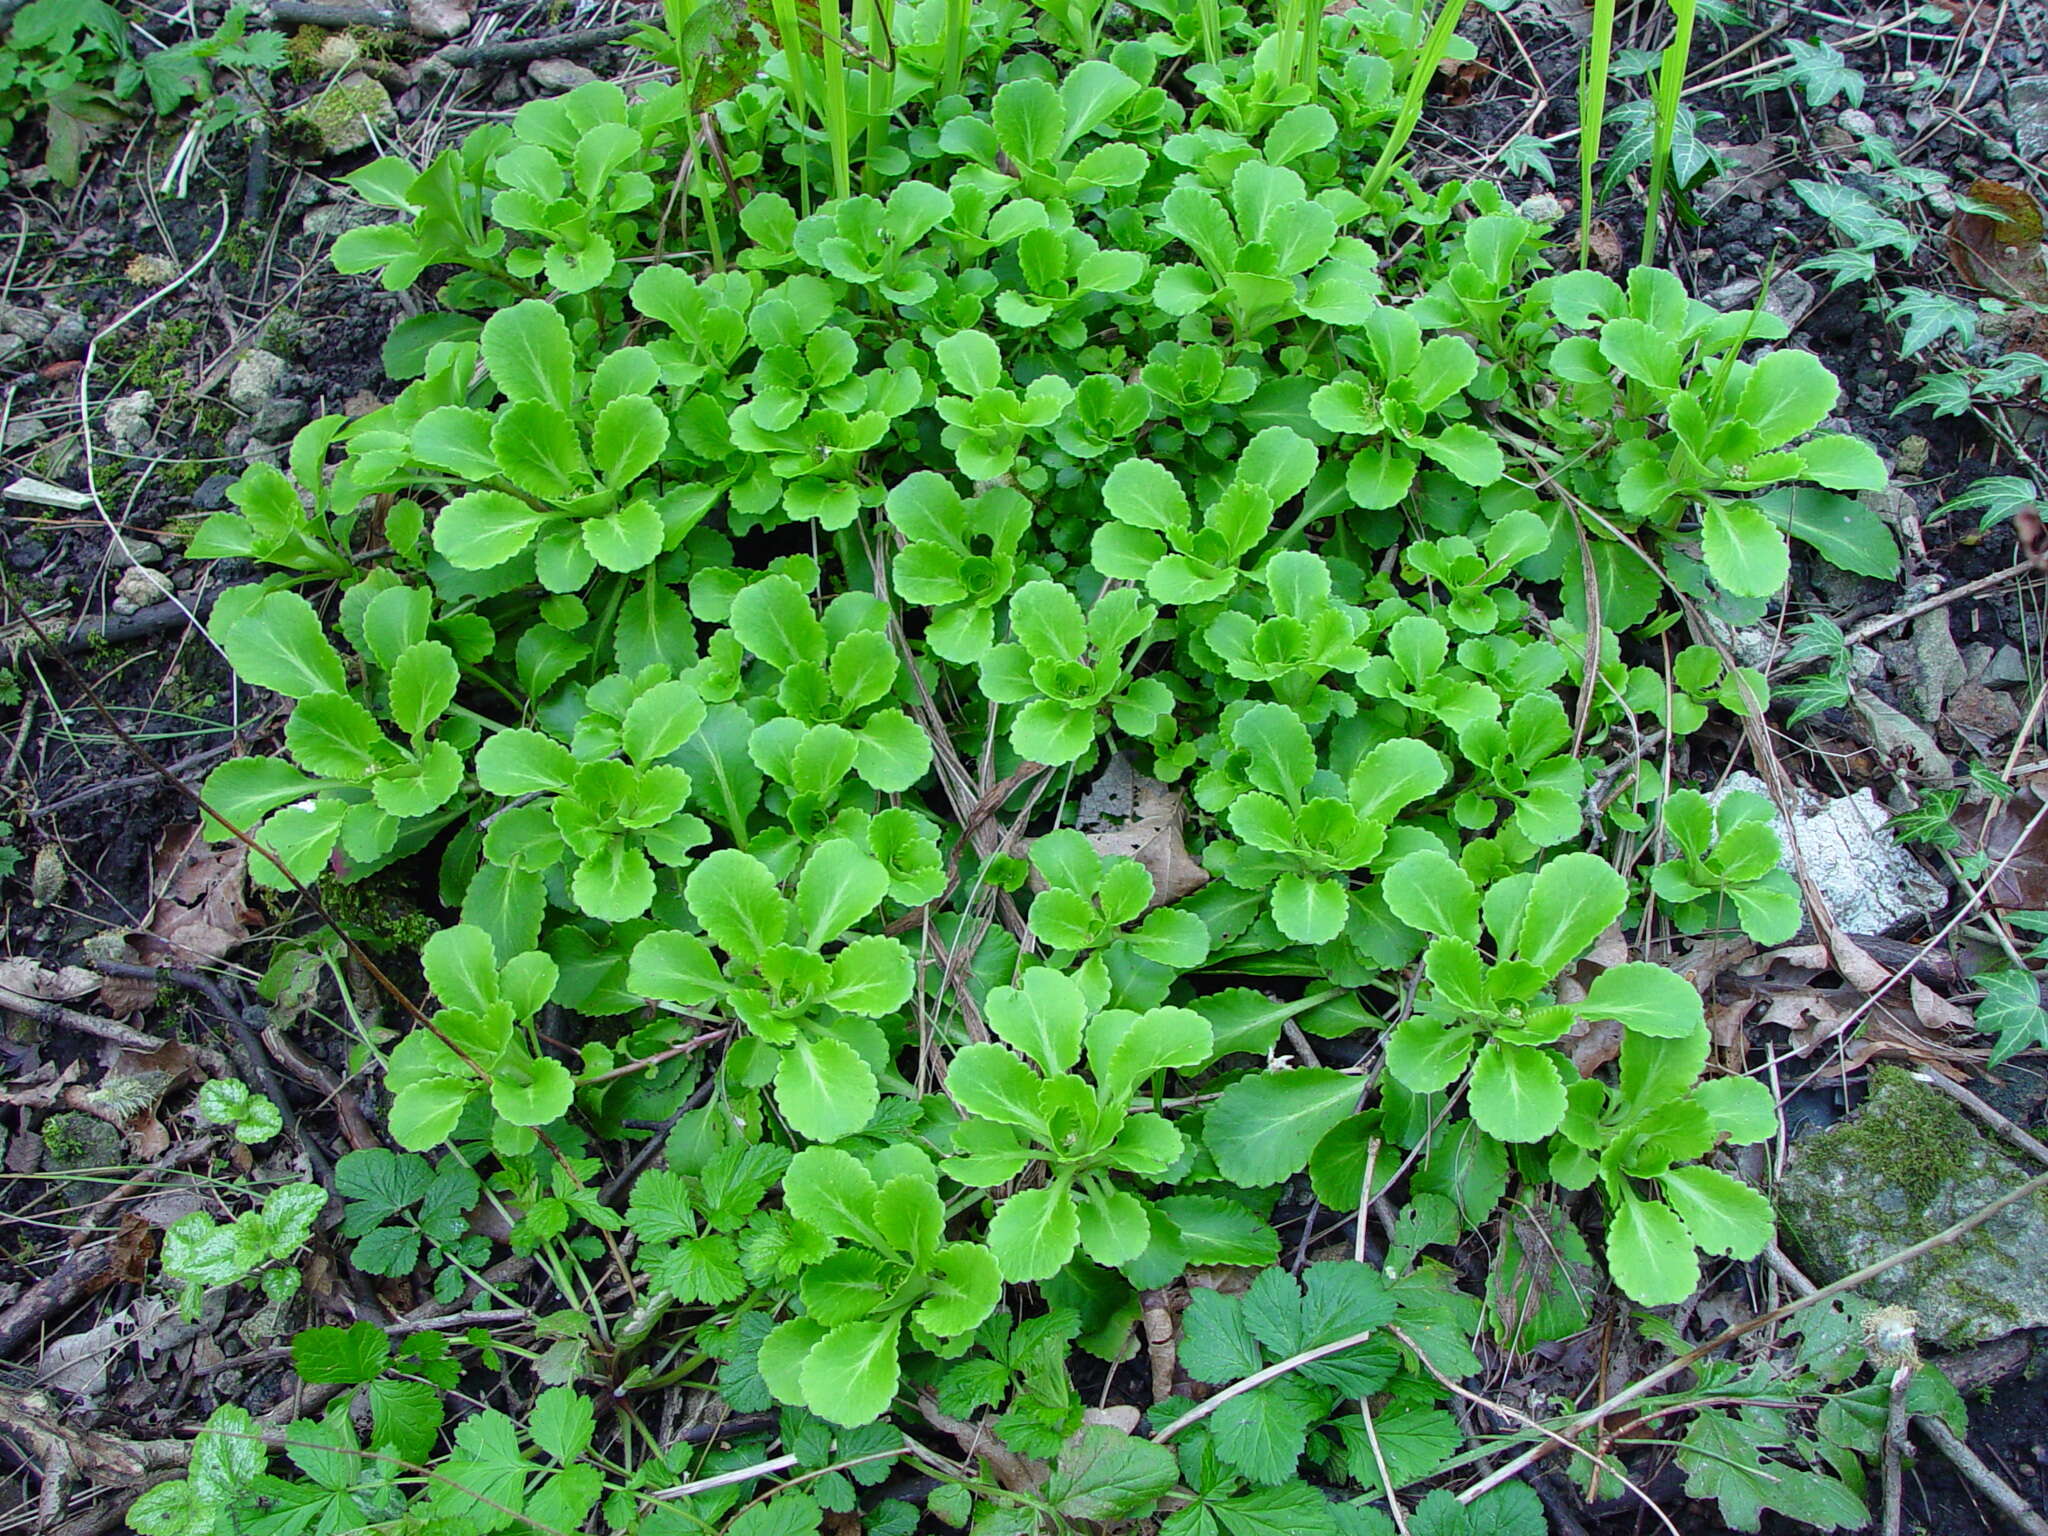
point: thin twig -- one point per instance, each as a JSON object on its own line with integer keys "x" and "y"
{"x": 1203, "y": 1409}
{"x": 2015, "y": 1134}
{"x": 1981, "y": 1477}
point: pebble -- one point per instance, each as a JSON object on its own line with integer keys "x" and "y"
{"x": 128, "y": 551}
{"x": 212, "y": 494}
{"x": 31, "y": 325}
{"x": 345, "y": 117}
{"x": 559, "y": 74}
{"x": 331, "y": 219}
{"x": 128, "y": 419}
{"x": 256, "y": 378}
{"x": 67, "y": 338}
{"x": 138, "y": 588}
{"x": 1858, "y": 122}
{"x": 27, "y": 554}
{"x": 1791, "y": 299}
{"x": 2027, "y": 103}
{"x": 2007, "y": 665}
{"x": 278, "y": 418}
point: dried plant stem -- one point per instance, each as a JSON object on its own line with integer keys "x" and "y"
{"x": 1648, "y": 1384}
{"x": 1203, "y": 1409}
{"x": 1982, "y": 1478}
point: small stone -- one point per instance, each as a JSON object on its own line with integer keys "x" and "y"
{"x": 279, "y": 418}
{"x": 10, "y": 346}
{"x": 212, "y": 494}
{"x": 146, "y": 269}
{"x": 47, "y": 876}
{"x": 128, "y": 419}
{"x": 559, "y": 74}
{"x": 1938, "y": 661}
{"x": 1912, "y": 453}
{"x": 1542, "y": 208}
{"x": 128, "y": 551}
{"x": 1900, "y": 741}
{"x": 1905, "y": 1166}
{"x": 1791, "y": 297}
{"x": 2007, "y": 665}
{"x": 255, "y": 380}
{"x": 345, "y": 117}
{"x": 1858, "y": 122}
{"x": 27, "y": 554}
{"x": 330, "y": 219}
{"x": 139, "y": 588}
{"x": 1983, "y": 713}
{"x": 439, "y": 18}
{"x": 2027, "y": 102}
{"x": 67, "y": 338}
{"x": 30, "y": 325}
{"x": 338, "y": 54}
{"x": 1871, "y": 884}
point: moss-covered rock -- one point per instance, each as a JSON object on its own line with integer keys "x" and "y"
{"x": 1906, "y": 1165}
{"x": 341, "y": 118}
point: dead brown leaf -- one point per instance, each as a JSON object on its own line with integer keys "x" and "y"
{"x": 1457, "y": 79}
{"x": 1606, "y": 246}
{"x": 201, "y": 913}
{"x": 40, "y": 983}
{"x": 1999, "y": 250}
{"x": 1995, "y": 829}
{"x": 1125, "y": 813}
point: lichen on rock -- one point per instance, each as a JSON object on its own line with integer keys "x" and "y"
{"x": 1905, "y": 1166}
{"x": 341, "y": 119}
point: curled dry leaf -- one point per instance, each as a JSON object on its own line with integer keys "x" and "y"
{"x": 1125, "y": 813}
{"x": 1999, "y": 249}
{"x": 1815, "y": 1018}
{"x": 34, "y": 982}
{"x": 202, "y": 912}
{"x": 1998, "y": 830}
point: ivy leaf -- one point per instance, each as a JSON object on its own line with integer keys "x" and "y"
{"x": 2011, "y": 1010}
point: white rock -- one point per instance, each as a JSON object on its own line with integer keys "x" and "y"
{"x": 256, "y": 378}
{"x": 139, "y": 587}
{"x": 128, "y": 419}
{"x": 1871, "y": 883}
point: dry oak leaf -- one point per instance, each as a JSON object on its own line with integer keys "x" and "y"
{"x": 201, "y": 912}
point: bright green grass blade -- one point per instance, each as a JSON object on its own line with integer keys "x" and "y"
{"x": 1592, "y": 114}
{"x": 1434, "y": 47}
{"x": 1670, "y": 88}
